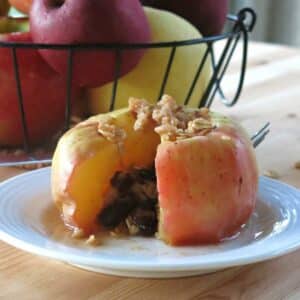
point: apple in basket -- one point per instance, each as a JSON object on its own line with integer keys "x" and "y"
{"x": 43, "y": 90}
{"x": 207, "y": 15}
{"x": 187, "y": 176}
{"x": 90, "y": 22}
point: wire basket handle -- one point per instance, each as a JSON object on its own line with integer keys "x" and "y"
{"x": 245, "y": 21}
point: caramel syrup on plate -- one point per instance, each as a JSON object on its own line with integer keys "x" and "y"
{"x": 55, "y": 229}
{"x": 263, "y": 222}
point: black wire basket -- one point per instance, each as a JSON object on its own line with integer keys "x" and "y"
{"x": 238, "y": 28}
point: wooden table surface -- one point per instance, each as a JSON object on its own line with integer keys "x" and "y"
{"x": 271, "y": 93}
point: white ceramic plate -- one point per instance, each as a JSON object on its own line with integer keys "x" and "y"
{"x": 28, "y": 221}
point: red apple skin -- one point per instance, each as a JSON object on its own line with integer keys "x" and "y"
{"x": 90, "y": 22}
{"x": 44, "y": 95}
{"x": 216, "y": 184}
{"x": 208, "y": 16}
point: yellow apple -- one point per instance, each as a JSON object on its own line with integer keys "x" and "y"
{"x": 146, "y": 79}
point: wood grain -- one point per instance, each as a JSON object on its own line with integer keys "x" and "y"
{"x": 271, "y": 93}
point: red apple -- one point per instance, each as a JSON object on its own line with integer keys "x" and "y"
{"x": 207, "y": 15}
{"x": 90, "y": 22}
{"x": 43, "y": 90}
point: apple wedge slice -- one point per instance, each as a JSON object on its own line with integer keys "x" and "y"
{"x": 206, "y": 184}
{"x": 87, "y": 158}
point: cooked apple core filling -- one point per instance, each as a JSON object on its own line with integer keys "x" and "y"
{"x": 134, "y": 203}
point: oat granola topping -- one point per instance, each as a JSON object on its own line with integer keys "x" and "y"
{"x": 172, "y": 121}
{"x": 143, "y": 111}
{"x": 110, "y": 131}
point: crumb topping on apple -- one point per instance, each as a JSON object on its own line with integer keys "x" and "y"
{"x": 173, "y": 121}
{"x": 111, "y": 131}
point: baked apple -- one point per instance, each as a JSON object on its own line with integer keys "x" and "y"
{"x": 187, "y": 175}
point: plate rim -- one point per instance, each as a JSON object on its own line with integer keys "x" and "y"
{"x": 116, "y": 264}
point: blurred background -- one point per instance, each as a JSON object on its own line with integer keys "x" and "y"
{"x": 278, "y": 20}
